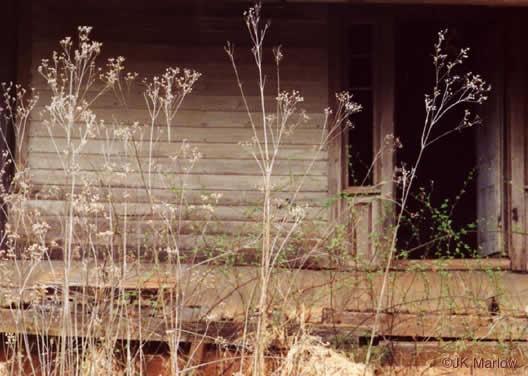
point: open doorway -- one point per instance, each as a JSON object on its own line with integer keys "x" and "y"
{"x": 455, "y": 205}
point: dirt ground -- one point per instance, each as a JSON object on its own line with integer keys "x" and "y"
{"x": 225, "y": 363}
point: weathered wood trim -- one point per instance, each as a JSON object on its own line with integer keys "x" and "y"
{"x": 431, "y": 354}
{"x": 490, "y": 3}
{"x": 49, "y": 323}
{"x": 212, "y": 5}
{"x": 336, "y": 157}
{"x": 343, "y": 324}
{"x": 189, "y": 118}
{"x": 490, "y": 142}
{"x": 516, "y": 123}
{"x": 365, "y": 190}
{"x": 24, "y": 62}
{"x": 383, "y": 117}
{"x": 432, "y": 325}
{"x": 210, "y": 135}
{"x": 452, "y": 265}
{"x": 383, "y": 99}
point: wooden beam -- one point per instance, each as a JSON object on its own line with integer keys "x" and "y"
{"x": 383, "y": 119}
{"x": 337, "y": 166}
{"x": 384, "y": 91}
{"x": 490, "y": 3}
{"x": 225, "y": 290}
{"x": 362, "y": 190}
{"x": 207, "y": 3}
{"x": 451, "y": 265}
{"x": 430, "y": 354}
{"x": 23, "y": 69}
{"x": 471, "y": 327}
{"x": 346, "y": 323}
{"x": 39, "y": 322}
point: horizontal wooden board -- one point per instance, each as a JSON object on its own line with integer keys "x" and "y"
{"x": 470, "y": 327}
{"x": 221, "y": 242}
{"x": 174, "y": 28}
{"x": 428, "y": 295}
{"x": 188, "y": 55}
{"x": 301, "y": 136}
{"x": 199, "y": 27}
{"x": 94, "y": 162}
{"x": 40, "y": 321}
{"x": 228, "y": 8}
{"x": 238, "y": 249}
{"x": 235, "y": 102}
{"x": 487, "y": 3}
{"x": 431, "y": 353}
{"x": 194, "y": 328}
{"x": 218, "y": 79}
{"x": 162, "y": 149}
{"x": 216, "y": 226}
{"x": 188, "y": 118}
{"x": 145, "y": 211}
{"x": 229, "y": 20}
{"x": 208, "y": 182}
{"x": 192, "y": 197}
{"x": 491, "y": 264}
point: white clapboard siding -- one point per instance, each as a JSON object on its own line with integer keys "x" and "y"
{"x": 213, "y": 119}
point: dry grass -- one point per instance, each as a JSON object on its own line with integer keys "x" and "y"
{"x": 311, "y": 357}
{"x": 4, "y": 371}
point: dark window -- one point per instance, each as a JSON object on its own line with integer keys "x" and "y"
{"x": 359, "y": 75}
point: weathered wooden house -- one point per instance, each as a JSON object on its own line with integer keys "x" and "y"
{"x": 378, "y": 49}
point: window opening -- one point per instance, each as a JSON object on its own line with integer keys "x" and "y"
{"x": 359, "y": 42}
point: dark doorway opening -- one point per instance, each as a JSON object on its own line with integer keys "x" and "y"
{"x": 441, "y": 214}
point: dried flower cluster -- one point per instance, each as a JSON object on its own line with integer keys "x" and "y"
{"x": 15, "y": 107}
{"x": 451, "y": 90}
{"x": 166, "y": 93}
